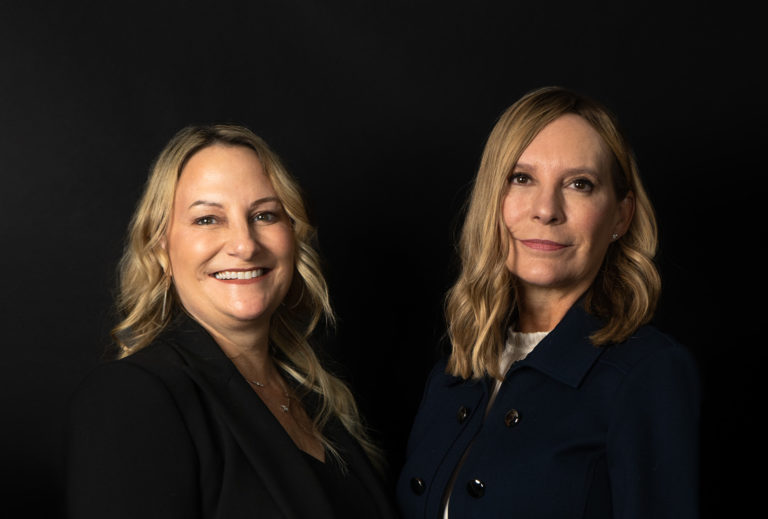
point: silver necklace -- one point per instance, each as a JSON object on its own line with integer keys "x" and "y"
{"x": 283, "y": 407}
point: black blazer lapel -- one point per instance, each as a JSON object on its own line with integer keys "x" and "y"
{"x": 275, "y": 458}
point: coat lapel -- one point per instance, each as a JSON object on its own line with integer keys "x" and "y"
{"x": 270, "y": 451}
{"x": 566, "y": 353}
{"x": 278, "y": 462}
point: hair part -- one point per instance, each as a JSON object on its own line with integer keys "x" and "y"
{"x": 146, "y": 300}
{"x": 482, "y": 301}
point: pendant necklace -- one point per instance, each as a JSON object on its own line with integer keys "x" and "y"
{"x": 283, "y": 407}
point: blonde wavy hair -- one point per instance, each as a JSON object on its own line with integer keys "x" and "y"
{"x": 145, "y": 291}
{"x": 481, "y": 303}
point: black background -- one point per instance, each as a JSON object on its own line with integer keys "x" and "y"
{"x": 381, "y": 109}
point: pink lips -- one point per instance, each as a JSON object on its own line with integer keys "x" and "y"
{"x": 543, "y": 245}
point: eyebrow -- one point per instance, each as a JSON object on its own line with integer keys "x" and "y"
{"x": 253, "y": 204}
{"x": 570, "y": 171}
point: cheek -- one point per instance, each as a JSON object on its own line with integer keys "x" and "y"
{"x": 283, "y": 248}
{"x": 288, "y": 248}
{"x": 283, "y": 243}
{"x": 187, "y": 253}
{"x": 509, "y": 218}
{"x": 598, "y": 224}
{"x": 279, "y": 244}
{"x": 510, "y": 210}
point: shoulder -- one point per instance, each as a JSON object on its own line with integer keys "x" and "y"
{"x": 442, "y": 390}
{"x": 119, "y": 384}
{"x": 439, "y": 377}
{"x": 124, "y": 402}
{"x": 439, "y": 370}
{"x": 158, "y": 357}
{"x": 140, "y": 400}
{"x": 653, "y": 371}
{"x": 647, "y": 348}
{"x": 126, "y": 429}
{"x": 147, "y": 378}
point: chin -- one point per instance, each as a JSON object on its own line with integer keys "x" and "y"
{"x": 251, "y": 316}
{"x": 542, "y": 279}
{"x": 556, "y": 284}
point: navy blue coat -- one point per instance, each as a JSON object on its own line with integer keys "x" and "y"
{"x": 576, "y": 431}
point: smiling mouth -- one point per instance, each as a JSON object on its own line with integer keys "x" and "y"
{"x": 240, "y": 274}
{"x": 544, "y": 245}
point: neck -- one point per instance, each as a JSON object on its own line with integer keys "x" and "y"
{"x": 248, "y": 349}
{"x": 542, "y": 310}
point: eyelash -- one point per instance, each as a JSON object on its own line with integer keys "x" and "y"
{"x": 205, "y": 220}
{"x": 516, "y": 177}
{"x": 264, "y": 216}
{"x": 589, "y": 185}
{"x": 524, "y": 178}
{"x": 272, "y": 217}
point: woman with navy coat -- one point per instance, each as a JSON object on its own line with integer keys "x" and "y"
{"x": 558, "y": 399}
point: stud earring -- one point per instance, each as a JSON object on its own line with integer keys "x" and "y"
{"x": 614, "y": 237}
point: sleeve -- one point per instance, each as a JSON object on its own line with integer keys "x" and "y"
{"x": 652, "y": 442}
{"x": 129, "y": 453}
{"x": 416, "y": 428}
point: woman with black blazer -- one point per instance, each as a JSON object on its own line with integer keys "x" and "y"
{"x": 557, "y": 399}
{"x": 218, "y": 405}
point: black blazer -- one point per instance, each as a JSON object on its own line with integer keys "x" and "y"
{"x": 174, "y": 431}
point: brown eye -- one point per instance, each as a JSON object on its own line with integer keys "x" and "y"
{"x": 519, "y": 178}
{"x": 582, "y": 184}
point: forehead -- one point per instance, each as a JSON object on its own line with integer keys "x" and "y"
{"x": 223, "y": 172}
{"x": 569, "y": 141}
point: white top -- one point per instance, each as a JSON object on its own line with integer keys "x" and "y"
{"x": 517, "y": 347}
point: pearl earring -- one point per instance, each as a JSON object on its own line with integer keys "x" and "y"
{"x": 614, "y": 237}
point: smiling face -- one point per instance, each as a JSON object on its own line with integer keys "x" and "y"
{"x": 230, "y": 243}
{"x": 561, "y": 210}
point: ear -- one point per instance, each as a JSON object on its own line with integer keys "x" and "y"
{"x": 625, "y": 214}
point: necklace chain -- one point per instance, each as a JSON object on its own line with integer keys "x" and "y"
{"x": 283, "y": 407}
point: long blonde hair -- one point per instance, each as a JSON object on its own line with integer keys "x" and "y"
{"x": 482, "y": 301}
{"x": 146, "y": 295}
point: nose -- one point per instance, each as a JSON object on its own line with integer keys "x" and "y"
{"x": 243, "y": 241}
{"x": 548, "y": 206}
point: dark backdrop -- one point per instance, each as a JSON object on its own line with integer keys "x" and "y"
{"x": 381, "y": 110}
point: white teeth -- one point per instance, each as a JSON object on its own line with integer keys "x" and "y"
{"x": 249, "y": 274}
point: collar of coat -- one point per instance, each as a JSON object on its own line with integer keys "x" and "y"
{"x": 566, "y": 354}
